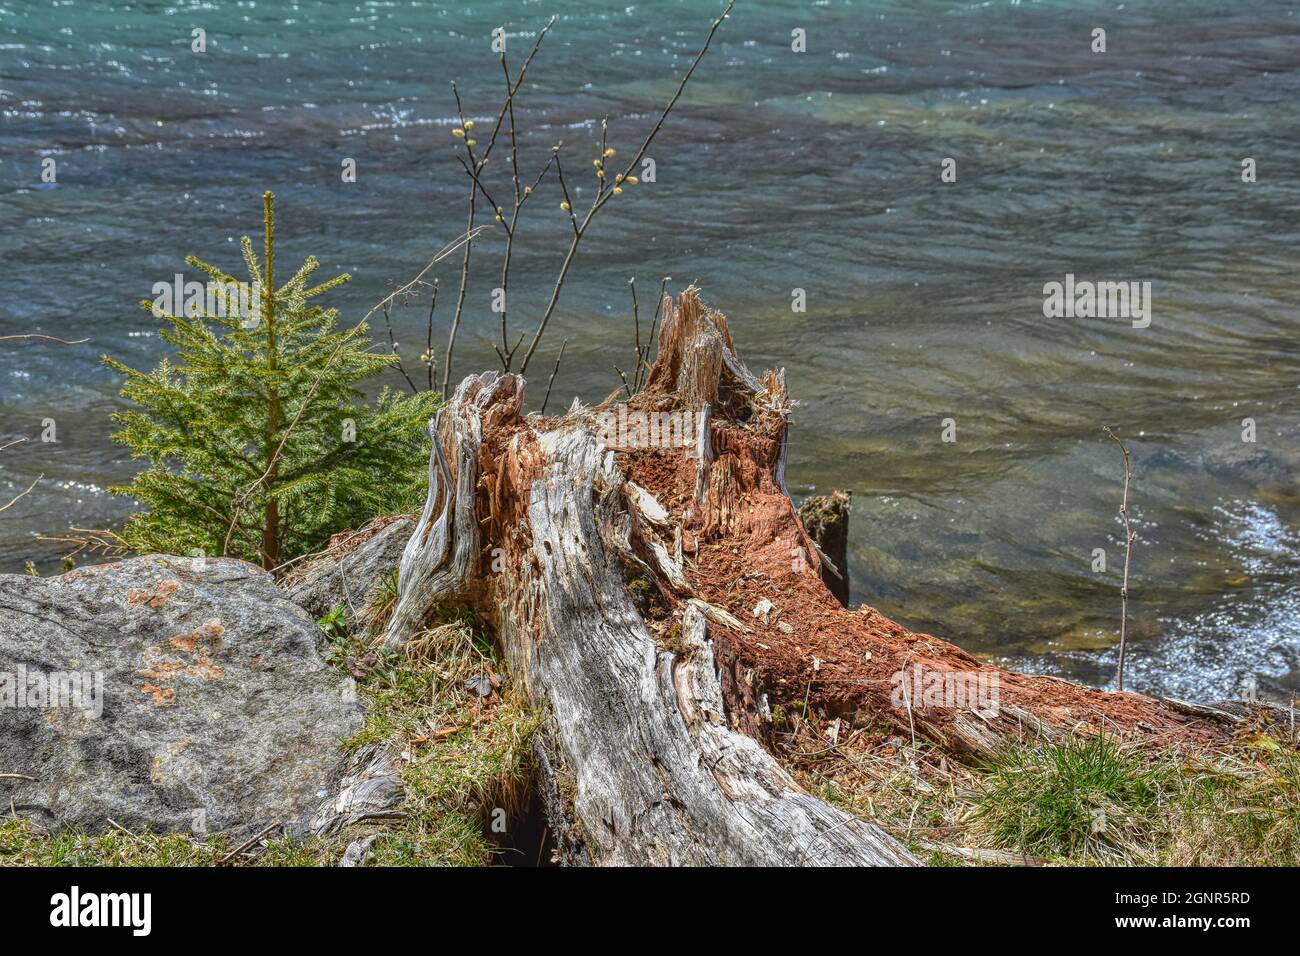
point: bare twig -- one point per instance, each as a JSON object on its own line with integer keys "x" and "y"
{"x": 464, "y": 283}
{"x": 17, "y": 776}
{"x": 468, "y": 236}
{"x": 246, "y": 844}
{"x": 388, "y": 326}
{"x": 553, "y": 371}
{"x": 47, "y": 338}
{"x": 21, "y": 495}
{"x": 474, "y": 168}
{"x": 18, "y": 441}
{"x": 626, "y": 387}
{"x": 654, "y": 325}
{"x": 89, "y": 539}
{"x": 1129, "y": 538}
{"x": 603, "y": 195}
{"x": 428, "y": 335}
{"x": 636, "y": 328}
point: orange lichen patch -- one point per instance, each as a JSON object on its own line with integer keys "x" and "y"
{"x": 205, "y": 667}
{"x": 162, "y": 696}
{"x": 193, "y": 657}
{"x": 155, "y": 597}
{"x": 162, "y": 670}
{"x": 210, "y": 632}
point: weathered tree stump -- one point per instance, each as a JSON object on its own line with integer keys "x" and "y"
{"x": 666, "y": 605}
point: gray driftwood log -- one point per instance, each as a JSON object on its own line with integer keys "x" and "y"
{"x": 644, "y": 759}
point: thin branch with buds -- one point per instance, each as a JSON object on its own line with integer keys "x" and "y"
{"x": 474, "y": 169}
{"x": 392, "y": 342}
{"x": 473, "y": 161}
{"x": 607, "y": 188}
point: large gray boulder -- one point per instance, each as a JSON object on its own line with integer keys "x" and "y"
{"x": 178, "y": 694}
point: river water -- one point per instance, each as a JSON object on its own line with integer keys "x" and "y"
{"x": 779, "y": 171}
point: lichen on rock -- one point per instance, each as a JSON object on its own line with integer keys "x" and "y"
{"x": 166, "y": 694}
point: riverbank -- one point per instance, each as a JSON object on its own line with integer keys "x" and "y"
{"x": 468, "y": 778}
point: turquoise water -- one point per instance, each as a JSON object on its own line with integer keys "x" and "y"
{"x": 778, "y": 171}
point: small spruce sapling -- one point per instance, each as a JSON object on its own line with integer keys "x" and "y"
{"x": 258, "y": 443}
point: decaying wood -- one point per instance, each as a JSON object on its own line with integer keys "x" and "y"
{"x": 666, "y": 606}
{"x": 442, "y": 558}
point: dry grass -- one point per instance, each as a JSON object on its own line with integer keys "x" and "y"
{"x": 463, "y": 731}
{"x": 1081, "y": 802}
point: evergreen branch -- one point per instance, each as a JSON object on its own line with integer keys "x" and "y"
{"x": 250, "y": 260}
{"x": 327, "y": 286}
{"x": 211, "y": 270}
{"x": 299, "y": 280}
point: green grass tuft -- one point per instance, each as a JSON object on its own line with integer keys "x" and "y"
{"x": 1087, "y": 796}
